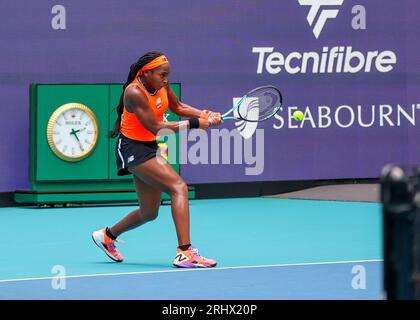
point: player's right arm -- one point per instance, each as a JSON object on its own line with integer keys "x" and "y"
{"x": 136, "y": 102}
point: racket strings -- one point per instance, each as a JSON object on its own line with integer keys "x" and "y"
{"x": 262, "y": 103}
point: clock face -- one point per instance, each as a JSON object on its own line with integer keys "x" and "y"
{"x": 72, "y": 132}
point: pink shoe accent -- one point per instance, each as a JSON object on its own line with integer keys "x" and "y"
{"x": 110, "y": 246}
{"x": 107, "y": 245}
{"x": 190, "y": 258}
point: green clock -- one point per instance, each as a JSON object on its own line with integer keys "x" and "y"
{"x": 72, "y": 132}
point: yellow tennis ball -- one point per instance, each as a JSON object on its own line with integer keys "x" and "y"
{"x": 298, "y": 115}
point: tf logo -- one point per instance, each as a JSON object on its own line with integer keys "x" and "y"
{"x": 318, "y": 23}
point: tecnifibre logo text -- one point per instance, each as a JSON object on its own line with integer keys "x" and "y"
{"x": 332, "y": 59}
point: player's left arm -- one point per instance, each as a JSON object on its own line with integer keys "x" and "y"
{"x": 184, "y": 110}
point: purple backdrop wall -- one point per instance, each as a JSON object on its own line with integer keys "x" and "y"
{"x": 210, "y": 46}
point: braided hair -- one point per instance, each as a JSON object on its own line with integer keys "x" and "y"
{"x": 135, "y": 67}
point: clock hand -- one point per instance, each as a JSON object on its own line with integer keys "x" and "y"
{"x": 79, "y": 130}
{"x": 74, "y": 133}
{"x": 80, "y": 144}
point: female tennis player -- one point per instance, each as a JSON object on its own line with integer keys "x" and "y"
{"x": 146, "y": 96}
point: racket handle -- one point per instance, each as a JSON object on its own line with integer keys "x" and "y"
{"x": 228, "y": 118}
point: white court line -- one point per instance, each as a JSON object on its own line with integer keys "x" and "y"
{"x": 193, "y": 270}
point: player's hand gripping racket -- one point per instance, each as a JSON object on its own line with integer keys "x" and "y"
{"x": 257, "y": 105}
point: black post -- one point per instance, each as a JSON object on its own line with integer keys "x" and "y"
{"x": 398, "y": 217}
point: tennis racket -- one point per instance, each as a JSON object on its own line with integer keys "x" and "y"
{"x": 257, "y": 105}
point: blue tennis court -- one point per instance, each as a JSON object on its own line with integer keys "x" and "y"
{"x": 267, "y": 248}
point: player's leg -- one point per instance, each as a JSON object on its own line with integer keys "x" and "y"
{"x": 162, "y": 176}
{"x": 149, "y": 200}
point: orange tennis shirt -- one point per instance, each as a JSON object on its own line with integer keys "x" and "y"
{"x": 131, "y": 127}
